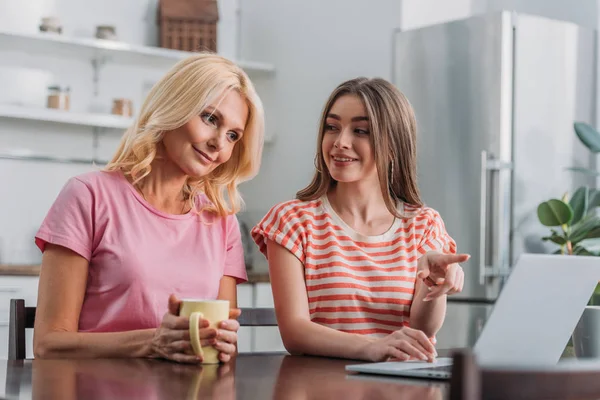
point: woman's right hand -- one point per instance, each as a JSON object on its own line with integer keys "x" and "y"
{"x": 403, "y": 344}
{"x": 171, "y": 339}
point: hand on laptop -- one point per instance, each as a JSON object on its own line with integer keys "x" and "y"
{"x": 401, "y": 345}
{"x": 441, "y": 273}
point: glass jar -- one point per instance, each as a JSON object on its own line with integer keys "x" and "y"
{"x": 59, "y": 98}
{"x": 122, "y": 107}
{"x": 50, "y": 24}
{"x": 107, "y": 32}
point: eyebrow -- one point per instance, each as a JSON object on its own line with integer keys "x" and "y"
{"x": 218, "y": 114}
{"x": 355, "y": 119}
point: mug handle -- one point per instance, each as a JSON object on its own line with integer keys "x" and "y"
{"x": 195, "y": 333}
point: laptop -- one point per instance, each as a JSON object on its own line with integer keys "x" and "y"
{"x": 530, "y": 324}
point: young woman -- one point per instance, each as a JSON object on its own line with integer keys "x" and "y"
{"x": 359, "y": 267}
{"x": 122, "y": 245}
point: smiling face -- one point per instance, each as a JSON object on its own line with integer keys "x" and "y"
{"x": 346, "y": 144}
{"x": 207, "y": 140}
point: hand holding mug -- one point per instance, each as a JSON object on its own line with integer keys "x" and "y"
{"x": 212, "y": 331}
{"x": 171, "y": 339}
{"x": 227, "y": 337}
{"x": 195, "y": 331}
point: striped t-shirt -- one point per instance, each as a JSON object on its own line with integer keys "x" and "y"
{"x": 355, "y": 283}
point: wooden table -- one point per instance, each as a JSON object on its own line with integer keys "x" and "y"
{"x": 250, "y": 376}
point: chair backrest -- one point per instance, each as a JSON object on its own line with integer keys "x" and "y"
{"x": 471, "y": 382}
{"x": 22, "y": 318}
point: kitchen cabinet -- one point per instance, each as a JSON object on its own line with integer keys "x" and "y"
{"x": 253, "y": 339}
{"x": 16, "y": 287}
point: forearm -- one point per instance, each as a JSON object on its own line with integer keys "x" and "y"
{"x": 130, "y": 344}
{"x": 427, "y": 316}
{"x": 306, "y": 337}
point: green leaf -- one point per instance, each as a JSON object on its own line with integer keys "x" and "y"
{"x": 594, "y": 199}
{"x": 554, "y": 213}
{"x": 585, "y": 229}
{"x": 556, "y": 239}
{"x": 579, "y": 203}
{"x": 585, "y": 171}
{"x": 594, "y": 233}
{"x": 582, "y": 251}
{"x": 588, "y": 136}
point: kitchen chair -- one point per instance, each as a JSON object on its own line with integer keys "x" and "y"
{"x": 22, "y": 318}
{"x": 470, "y": 382}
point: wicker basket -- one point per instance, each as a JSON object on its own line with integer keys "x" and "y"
{"x": 189, "y": 25}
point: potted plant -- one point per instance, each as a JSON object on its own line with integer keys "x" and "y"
{"x": 575, "y": 228}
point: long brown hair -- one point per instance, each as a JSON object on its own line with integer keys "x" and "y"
{"x": 393, "y": 130}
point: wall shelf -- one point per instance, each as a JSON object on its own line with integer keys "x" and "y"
{"x": 95, "y": 120}
{"x": 98, "y": 52}
{"x": 108, "y": 121}
{"x": 25, "y": 155}
{"x": 99, "y": 49}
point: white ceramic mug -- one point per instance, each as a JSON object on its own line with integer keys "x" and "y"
{"x": 214, "y": 311}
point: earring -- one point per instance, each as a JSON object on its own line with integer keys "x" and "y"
{"x": 316, "y": 163}
{"x": 391, "y": 170}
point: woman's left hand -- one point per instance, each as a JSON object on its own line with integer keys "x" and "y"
{"x": 441, "y": 273}
{"x": 227, "y": 336}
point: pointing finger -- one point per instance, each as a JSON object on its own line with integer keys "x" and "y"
{"x": 447, "y": 259}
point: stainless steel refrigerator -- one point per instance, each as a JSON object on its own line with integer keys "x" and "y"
{"x": 495, "y": 96}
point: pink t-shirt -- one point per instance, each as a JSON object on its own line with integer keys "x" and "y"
{"x": 137, "y": 254}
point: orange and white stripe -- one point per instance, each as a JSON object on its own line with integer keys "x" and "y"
{"x": 355, "y": 283}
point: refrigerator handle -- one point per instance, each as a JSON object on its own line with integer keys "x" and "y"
{"x": 483, "y": 218}
{"x": 495, "y": 269}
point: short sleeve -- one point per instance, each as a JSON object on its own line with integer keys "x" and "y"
{"x": 70, "y": 220}
{"x": 234, "y": 258}
{"x": 283, "y": 226}
{"x": 435, "y": 237}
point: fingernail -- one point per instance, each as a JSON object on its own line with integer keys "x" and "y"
{"x": 424, "y": 357}
{"x": 223, "y": 324}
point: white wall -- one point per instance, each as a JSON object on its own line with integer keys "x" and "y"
{"x": 315, "y": 45}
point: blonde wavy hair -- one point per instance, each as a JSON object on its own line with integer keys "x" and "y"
{"x": 184, "y": 92}
{"x": 393, "y": 138}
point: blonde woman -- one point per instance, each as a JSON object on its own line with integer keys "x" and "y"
{"x": 122, "y": 245}
{"x": 359, "y": 267}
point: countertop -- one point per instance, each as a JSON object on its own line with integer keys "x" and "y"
{"x": 34, "y": 270}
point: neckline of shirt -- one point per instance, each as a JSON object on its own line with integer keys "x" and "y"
{"x": 359, "y": 237}
{"x": 149, "y": 206}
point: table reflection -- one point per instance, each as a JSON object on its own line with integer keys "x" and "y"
{"x": 253, "y": 376}
{"x": 318, "y": 378}
{"x": 129, "y": 379}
